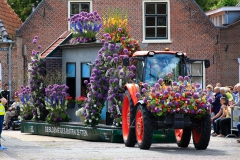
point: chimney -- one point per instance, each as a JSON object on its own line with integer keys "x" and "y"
{"x": 33, "y": 7}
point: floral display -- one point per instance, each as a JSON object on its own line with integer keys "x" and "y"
{"x": 109, "y": 75}
{"x": 179, "y": 97}
{"x": 85, "y": 27}
{"x": 116, "y": 24}
{"x": 56, "y": 103}
{"x": 80, "y": 100}
{"x": 69, "y": 99}
{"x": 37, "y": 72}
{"x": 27, "y": 111}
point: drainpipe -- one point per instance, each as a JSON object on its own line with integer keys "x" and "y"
{"x": 10, "y": 69}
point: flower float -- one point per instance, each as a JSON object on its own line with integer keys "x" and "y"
{"x": 179, "y": 97}
{"x": 85, "y": 27}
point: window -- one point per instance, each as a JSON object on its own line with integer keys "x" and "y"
{"x": 85, "y": 75}
{"x": 196, "y": 72}
{"x": 156, "y": 21}
{"x": 77, "y": 6}
{"x": 71, "y": 79}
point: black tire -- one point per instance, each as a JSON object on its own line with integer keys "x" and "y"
{"x": 129, "y": 136}
{"x": 202, "y": 134}
{"x": 183, "y": 140}
{"x": 144, "y": 127}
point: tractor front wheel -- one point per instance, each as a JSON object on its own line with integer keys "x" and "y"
{"x": 183, "y": 137}
{"x": 201, "y": 134}
{"x": 128, "y": 116}
{"x": 144, "y": 127}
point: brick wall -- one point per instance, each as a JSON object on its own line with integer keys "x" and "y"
{"x": 191, "y": 31}
{"x": 229, "y": 52}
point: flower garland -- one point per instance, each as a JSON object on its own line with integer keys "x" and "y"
{"x": 37, "y": 73}
{"x": 180, "y": 97}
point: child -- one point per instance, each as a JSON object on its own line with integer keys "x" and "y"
{"x": 219, "y": 116}
{"x": 225, "y": 123}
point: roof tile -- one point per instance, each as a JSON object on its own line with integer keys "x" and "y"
{"x": 9, "y": 18}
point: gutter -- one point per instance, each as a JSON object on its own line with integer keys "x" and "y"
{"x": 10, "y": 68}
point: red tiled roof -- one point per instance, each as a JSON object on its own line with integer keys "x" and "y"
{"x": 55, "y": 44}
{"x": 10, "y": 19}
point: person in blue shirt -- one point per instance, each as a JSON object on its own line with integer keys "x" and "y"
{"x": 216, "y": 106}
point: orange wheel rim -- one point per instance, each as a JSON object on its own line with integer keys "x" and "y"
{"x": 196, "y": 135}
{"x": 139, "y": 126}
{"x": 178, "y": 134}
{"x": 126, "y": 117}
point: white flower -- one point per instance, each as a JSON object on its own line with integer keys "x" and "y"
{"x": 90, "y": 120}
{"x": 121, "y": 122}
{"x": 116, "y": 124}
{"x": 85, "y": 120}
{"x": 94, "y": 105}
{"x": 96, "y": 118}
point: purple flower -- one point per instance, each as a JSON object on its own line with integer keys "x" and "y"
{"x": 169, "y": 74}
{"x": 197, "y": 85}
{"x": 125, "y": 50}
{"x": 210, "y": 100}
{"x": 36, "y": 37}
{"x": 186, "y": 78}
{"x": 145, "y": 85}
{"x": 174, "y": 83}
{"x": 177, "y": 95}
{"x": 160, "y": 81}
{"x": 34, "y": 41}
{"x": 195, "y": 95}
{"x": 85, "y": 81}
{"x": 133, "y": 67}
{"x": 180, "y": 78}
{"x": 120, "y": 29}
{"x": 153, "y": 90}
{"x": 166, "y": 92}
{"x": 157, "y": 85}
{"x": 138, "y": 95}
{"x": 39, "y": 47}
{"x": 157, "y": 94}
{"x": 123, "y": 38}
{"x": 144, "y": 90}
{"x": 54, "y": 119}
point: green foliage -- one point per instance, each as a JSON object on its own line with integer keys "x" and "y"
{"x": 207, "y": 5}
{"x": 23, "y": 8}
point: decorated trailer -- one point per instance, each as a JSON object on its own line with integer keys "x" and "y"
{"x": 163, "y": 98}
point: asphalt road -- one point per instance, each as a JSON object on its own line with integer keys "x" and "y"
{"x": 22, "y": 146}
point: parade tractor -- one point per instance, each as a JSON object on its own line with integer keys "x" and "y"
{"x": 138, "y": 123}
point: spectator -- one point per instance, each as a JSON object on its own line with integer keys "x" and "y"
{"x": 237, "y": 99}
{"x": 238, "y": 127}
{"x": 228, "y": 94}
{"x": 3, "y": 101}
{"x": 218, "y": 85}
{"x": 223, "y": 91}
{"x": 12, "y": 111}
{"x": 216, "y": 107}
{"x": 216, "y": 119}
{"x": 225, "y": 123}
{"x": 209, "y": 91}
{"x": 216, "y": 104}
{"x": 6, "y": 94}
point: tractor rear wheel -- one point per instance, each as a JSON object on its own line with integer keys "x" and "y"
{"x": 202, "y": 133}
{"x": 183, "y": 137}
{"x": 144, "y": 127}
{"x": 128, "y": 116}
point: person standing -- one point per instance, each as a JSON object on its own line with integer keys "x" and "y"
{"x": 6, "y": 94}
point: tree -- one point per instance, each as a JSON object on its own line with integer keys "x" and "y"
{"x": 207, "y": 5}
{"x": 23, "y": 8}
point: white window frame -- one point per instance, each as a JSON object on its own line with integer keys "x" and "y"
{"x": 168, "y": 40}
{"x": 76, "y": 1}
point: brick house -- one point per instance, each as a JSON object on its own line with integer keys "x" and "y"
{"x": 184, "y": 26}
{"x": 227, "y": 19}
{"x": 10, "y": 47}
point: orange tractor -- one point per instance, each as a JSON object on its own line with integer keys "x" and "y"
{"x": 138, "y": 123}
